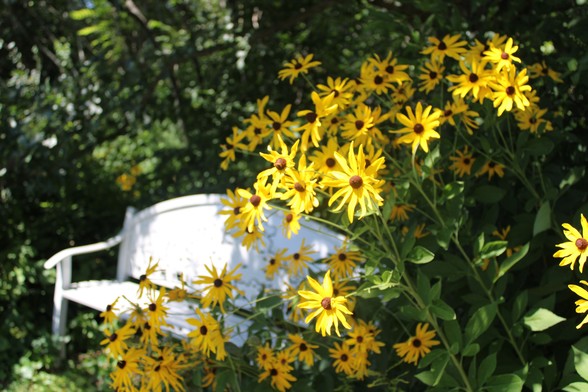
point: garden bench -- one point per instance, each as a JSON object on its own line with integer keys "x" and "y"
{"x": 184, "y": 234}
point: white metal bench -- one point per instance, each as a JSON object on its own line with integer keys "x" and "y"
{"x": 184, "y": 235}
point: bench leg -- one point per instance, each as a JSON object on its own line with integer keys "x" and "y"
{"x": 59, "y": 320}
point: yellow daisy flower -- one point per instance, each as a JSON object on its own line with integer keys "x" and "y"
{"x": 324, "y": 107}
{"x": 302, "y": 349}
{"x": 126, "y": 369}
{"x": 419, "y": 127}
{"x": 144, "y": 282}
{"x": 358, "y": 184}
{"x": 473, "y": 80}
{"x": 163, "y": 371}
{"x": 343, "y": 261}
{"x": 290, "y": 224}
{"x": 297, "y": 66}
{"x": 343, "y": 357}
{"x": 108, "y": 316}
{"x": 281, "y": 162}
{"x": 582, "y": 303}
{"x": 575, "y": 247}
{"x": 252, "y": 213}
{"x": 340, "y": 88}
{"x": 417, "y": 346}
{"x": 508, "y": 90}
{"x": 219, "y": 286}
{"x": 431, "y": 75}
{"x": 462, "y": 162}
{"x": 298, "y": 261}
{"x": 207, "y": 335}
{"x": 116, "y": 342}
{"x": 450, "y": 46}
{"x": 265, "y": 356}
{"x": 235, "y": 204}
{"x": 542, "y": 69}
{"x": 491, "y": 168}
{"x": 275, "y": 262}
{"x": 329, "y": 310}
{"x": 502, "y": 57}
{"x": 299, "y": 187}
{"x": 280, "y": 378}
{"x": 280, "y": 126}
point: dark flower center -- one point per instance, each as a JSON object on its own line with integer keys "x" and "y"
{"x": 272, "y": 261}
{"x": 303, "y": 347}
{"x": 335, "y": 92}
{"x": 545, "y": 71}
{"x": 311, "y": 117}
{"x": 147, "y": 326}
{"x": 330, "y": 162}
{"x": 510, "y": 90}
{"x": 473, "y": 78}
{"x": 416, "y": 343}
{"x": 466, "y": 161}
{"x": 274, "y": 372}
{"x": 326, "y": 303}
{"x": 442, "y": 46}
{"x": 504, "y": 56}
{"x": 491, "y": 165}
{"x": 334, "y": 120}
{"x": 255, "y": 200}
{"x": 344, "y": 357}
{"x": 433, "y": 75}
{"x": 289, "y": 218}
{"x": 581, "y": 244}
{"x": 342, "y": 257}
{"x": 236, "y": 210}
{"x": 533, "y": 120}
{"x": 152, "y": 307}
{"x": 359, "y": 339}
{"x": 280, "y": 163}
{"x": 121, "y": 364}
{"x": 218, "y": 282}
{"x": 113, "y": 337}
{"x": 418, "y": 129}
{"x": 299, "y": 187}
{"x": 276, "y": 126}
{"x": 296, "y": 256}
{"x": 109, "y": 308}
{"x": 448, "y": 112}
{"x": 356, "y": 182}
{"x": 142, "y": 278}
{"x": 203, "y": 330}
{"x": 378, "y": 79}
{"x": 359, "y": 124}
{"x": 297, "y": 66}
{"x": 390, "y": 69}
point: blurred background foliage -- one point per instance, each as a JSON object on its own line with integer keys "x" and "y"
{"x": 110, "y": 103}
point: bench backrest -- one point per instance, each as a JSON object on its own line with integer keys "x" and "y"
{"x": 187, "y": 233}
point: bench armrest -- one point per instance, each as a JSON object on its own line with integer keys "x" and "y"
{"x": 80, "y": 250}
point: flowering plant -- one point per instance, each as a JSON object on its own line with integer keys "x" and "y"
{"x": 434, "y": 172}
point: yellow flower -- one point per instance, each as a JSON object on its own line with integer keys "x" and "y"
{"x": 400, "y": 212}
{"x": 302, "y": 349}
{"x": 144, "y": 281}
{"x": 252, "y": 213}
{"x": 416, "y": 346}
{"x": 324, "y": 158}
{"x": 341, "y": 90}
{"x": 502, "y": 57}
{"x": 531, "y": 120}
{"x": 473, "y": 80}
{"x": 280, "y": 126}
{"x": 390, "y": 68}
{"x": 299, "y": 184}
{"x": 343, "y": 357}
{"x": 164, "y": 369}
{"x": 290, "y": 224}
{"x": 324, "y": 107}
{"x": 297, "y": 66}
{"x": 108, "y": 315}
{"x": 358, "y": 125}
{"x": 265, "y": 356}
{"x": 116, "y": 341}
{"x": 450, "y": 45}
{"x": 509, "y": 88}
{"x": 343, "y": 261}
{"x": 219, "y": 287}
{"x": 126, "y": 181}
{"x": 126, "y": 369}
{"x": 280, "y": 378}
{"x": 229, "y": 149}
{"x": 541, "y": 69}
{"x": 298, "y": 260}
{"x": 281, "y": 162}
{"x": 419, "y": 127}
{"x": 329, "y": 310}
{"x": 235, "y": 204}
{"x": 207, "y": 335}
{"x": 358, "y": 184}
{"x": 462, "y": 162}
{"x": 156, "y": 311}
{"x": 582, "y": 303}
{"x": 575, "y": 247}
{"x": 431, "y": 75}
{"x": 274, "y": 263}
{"x": 491, "y": 168}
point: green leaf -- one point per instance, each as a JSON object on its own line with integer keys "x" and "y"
{"x": 453, "y": 333}
{"x": 539, "y": 146}
{"x": 493, "y": 249}
{"x": 480, "y": 321}
{"x": 505, "y": 383}
{"x": 487, "y": 368}
{"x": 420, "y": 255}
{"x": 511, "y": 261}
{"x": 543, "y": 219}
{"x": 82, "y": 14}
{"x": 433, "y": 376}
{"x": 541, "y": 319}
{"x": 576, "y": 387}
{"x": 471, "y": 349}
{"x": 489, "y": 194}
{"x": 442, "y": 310}
{"x": 520, "y": 304}
{"x": 581, "y": 362}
